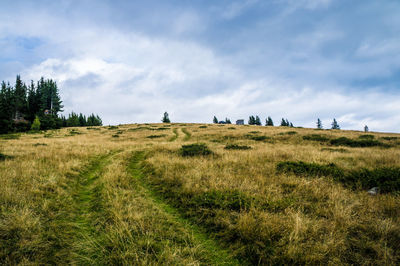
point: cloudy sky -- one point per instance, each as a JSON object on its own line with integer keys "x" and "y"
{"x": 129, "y": 61}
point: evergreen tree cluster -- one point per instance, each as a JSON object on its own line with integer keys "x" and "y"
{"x": 254, "y": 120}
{"x": 75, "y": 120}
{"x": 21, "y": 105}
{"x": 286, "y": 123}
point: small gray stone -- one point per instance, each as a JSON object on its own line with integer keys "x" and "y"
{"x": 373, "y": 191}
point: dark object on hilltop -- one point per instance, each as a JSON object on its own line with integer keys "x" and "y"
{"x": 335, "y": 124}
{"x": 215, "y": 120}
{"x": 319, "y": 124}
{"x": 269, "y": 122}
{"x": 165, "y": 118}
{"x": 195, "y": 150}
{"x": 240, "y": 122}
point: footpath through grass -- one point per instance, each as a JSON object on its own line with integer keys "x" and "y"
{"x": 76, "y": 234}
{"x": 213, "y": 253}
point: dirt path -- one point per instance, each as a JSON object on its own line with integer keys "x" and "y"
{"x": 213, "y": 252}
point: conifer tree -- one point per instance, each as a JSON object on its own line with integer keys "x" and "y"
{"x": 257, "y": 121}
{"x": 228, "y": 121}
{"x": 335, "y": 124}
{"x": 165, "y": 118}
{"x": 36, "y": 124}
{"x": 252, "y": 120}
{"x": 215, "y": 120}
{"x": 269, "y": 122}
{"x": 283, "y": 123}
{"x": 319, "y": 124}
{"x": 366, "y": 129}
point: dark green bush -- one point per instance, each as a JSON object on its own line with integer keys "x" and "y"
{"x": 291, "y": 133}
{"x": 93, "y": 128}
{"x": 237, "y": 147}
{"x": 254, "y": 132}
{"x": 386, "y": 178}
{"x": 343, "y": 141}
{"x": 195, "y": 149}
{"x": 115, "y": 136}
{"x": 155, "y": 136}
{"x": 112, "y": 127}
{"x": 316, "y": 137}
{"x": 259, "y": 138}
{"x": 9, "y": 136}
{"x": 3, "y": 157}
{"x": 390, "y": 138}
{"x": 202, "y": 126}
{"x": 310, "y": 169}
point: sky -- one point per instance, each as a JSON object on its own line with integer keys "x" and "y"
{"x": 130, "y": 61}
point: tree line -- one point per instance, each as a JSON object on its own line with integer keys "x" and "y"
{"x": 255, "y": 120}
{"x": 36, "y": 106}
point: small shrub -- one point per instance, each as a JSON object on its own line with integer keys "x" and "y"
{"x": 93, "y": 128}
{"x": 316, "y": 137}
{"x": 367, "y": 136}
{"x": 291, "y": 133}
{"x": 115, "y": 136}
{"x": 195, "y": 150}
{"x": 310, "y": 169}
{"x": 3, "y": 157}
{"x": 237, "y": 147}
{"x": 231, "y": 128}
{"x": 73, "y": 132}
{"x": 260, "y": 138}
{"x": 161, "y": 128}
{"x": 343, "y": 141}
{"x": 155, "y": 136}
{"x": 112, "y": 127}
{"x": 335, "y": 150}
{"x": 202, "y": 126}
{"x": 254, "y": 132}
{"x": 390, "y": 138}
{"x": 39, "y": 144}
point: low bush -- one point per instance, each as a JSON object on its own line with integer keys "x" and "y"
{"x": 155, "y": 136}
{"x": 3, "y": 157}
{"x": 343, "y": 141}
{"x": 195, "y": 150}
{"x": 316, "y": 137}
{"x": 260, "y": 138}
{"x": 291, "y": 133}
{"x": 386, "y": 178}
{"x": 115, "y": 136}
{"x": 202, "y": 126}
{"x": 390, "y": 138}
{"x": 310, "y": 169}
{"x": 112, "y": 127}
{"x": 93, "y": 128}
{"x": 9, "y": 136}
{"x": 335, "y": 150}
{"x": 237, "y": 147}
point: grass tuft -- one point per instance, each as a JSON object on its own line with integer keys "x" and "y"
{"x": 237, "y": 147}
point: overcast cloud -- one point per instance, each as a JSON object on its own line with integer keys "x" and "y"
{"x": 130, "y": 61}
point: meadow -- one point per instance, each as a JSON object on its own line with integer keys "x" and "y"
{"x": 199, "y": 194}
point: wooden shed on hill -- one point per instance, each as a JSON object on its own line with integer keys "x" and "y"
{"x": 240, "y": 122}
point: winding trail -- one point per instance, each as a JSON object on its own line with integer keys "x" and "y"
{"x": 173, "y": 138}
{"x": 188, "y": 135}
{"x": 214, "y": 252}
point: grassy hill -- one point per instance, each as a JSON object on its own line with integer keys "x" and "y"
{"x": 199, "y": 194}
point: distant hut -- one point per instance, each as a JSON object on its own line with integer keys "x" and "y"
{"x": 240, "y": 122}
{"x": 47, "y": 112}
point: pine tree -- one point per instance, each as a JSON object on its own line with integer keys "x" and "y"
{"x": 36, "y": 124}
{"x": 335, "y": 124}
{"x": 319, "y": 124}
{"x": 269, "y": 122}
{"x": 20, "y": 104}
{"x": 257, "y": 121}
{"x": 228, "y": 121}
{"x": 252, "y": 120}
{"x": 215, "y": 120}
{"x": 283, "y": 123}
{"x": 82, "y": 120}
{"x": 165, "y": 118}
{"x": 291, "y": 124}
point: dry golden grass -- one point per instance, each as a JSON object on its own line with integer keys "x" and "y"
{"x": 281, "y": 218}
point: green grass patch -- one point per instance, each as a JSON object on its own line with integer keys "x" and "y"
{"x": 390, "y": 138}
{"x": 237, "y": 147}
{"x": 93, "y": 128}
{"x": 10, "y": 136}
{"x": 316, "y": 137}
{"x": 202, "y": 126}
{"x": 39, "y": 144}
{"x": 197, "y": 149}
{"x": 188, "y": 135}
{"x": 112, "y": 127}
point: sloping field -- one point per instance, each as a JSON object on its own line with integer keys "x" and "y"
{"x": 191, "y": 194}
